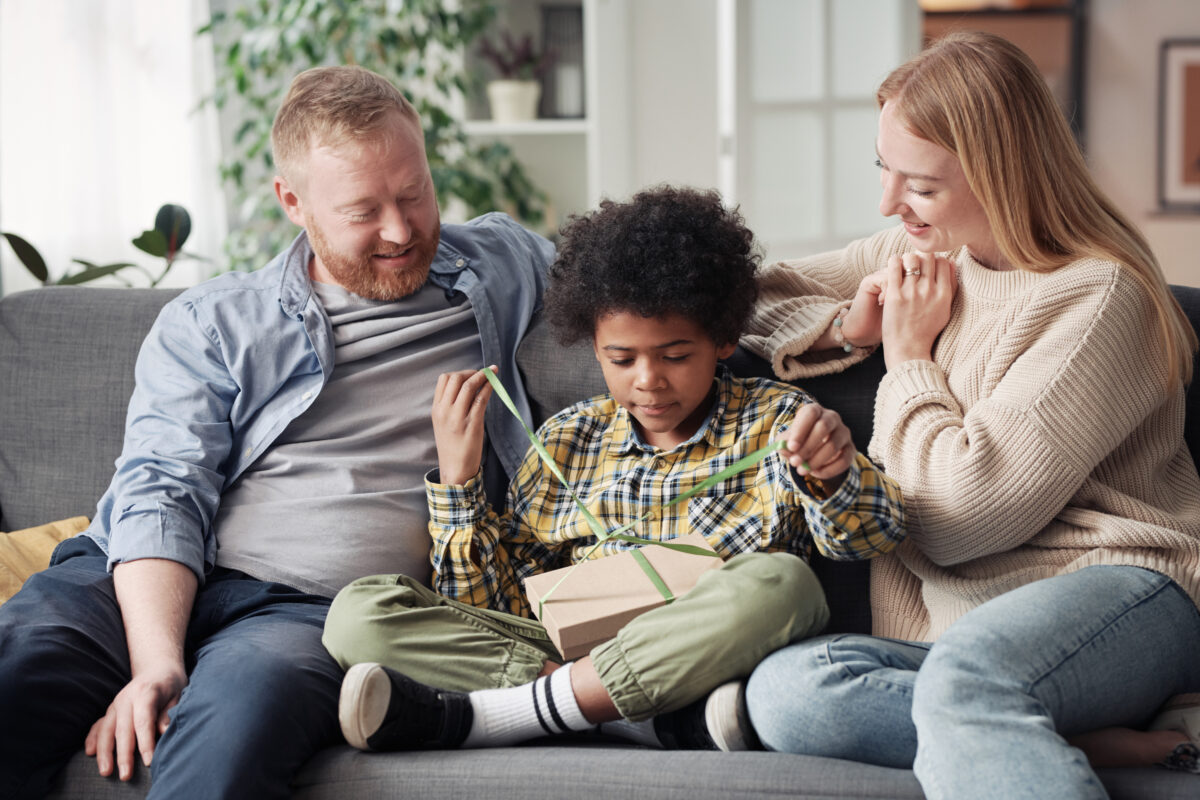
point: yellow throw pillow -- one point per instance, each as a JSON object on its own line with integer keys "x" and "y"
{"x": 25, "y": 552}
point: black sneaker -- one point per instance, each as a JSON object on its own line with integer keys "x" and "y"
{"x": 716, "y": 722}
{"x": 380, "y": 709}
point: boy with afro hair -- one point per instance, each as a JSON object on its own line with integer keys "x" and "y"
{"x": 662, "y": 285}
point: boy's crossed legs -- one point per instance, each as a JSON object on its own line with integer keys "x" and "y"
{"x": 457, "y": 675}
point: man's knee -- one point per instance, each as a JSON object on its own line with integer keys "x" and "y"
{"x": 61, "y": 619}
{"x": 250, "y": 718}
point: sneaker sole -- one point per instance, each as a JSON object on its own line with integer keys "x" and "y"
{"x": 363, "y": 703}
{"x": 726, "y": 704}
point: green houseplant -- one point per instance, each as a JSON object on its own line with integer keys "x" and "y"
{"x": 172, "y": 226}
{"x": 418, "y": 44}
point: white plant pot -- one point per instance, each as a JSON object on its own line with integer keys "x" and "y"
{"x": 513, "y": 101}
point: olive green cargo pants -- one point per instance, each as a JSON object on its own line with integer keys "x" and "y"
{"x": 660, "y": 661}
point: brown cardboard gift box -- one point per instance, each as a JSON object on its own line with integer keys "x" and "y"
{"x": 589, "y": 607}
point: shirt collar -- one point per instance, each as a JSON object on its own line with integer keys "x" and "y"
{"x": 294, "y": 285}
{"x": 718, "y": 429}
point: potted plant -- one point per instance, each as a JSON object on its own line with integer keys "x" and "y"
{"x": 172, "y": 225}
{"x": 514, "y": 95}
{"x": 417, "y": 44}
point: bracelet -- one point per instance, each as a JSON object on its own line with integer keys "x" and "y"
{"x": 838, "y": 336}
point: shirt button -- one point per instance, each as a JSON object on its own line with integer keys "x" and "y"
{"x": 461, "y": 262}
{"x": 249, "y": 452}
{"x": 306, "y": 395}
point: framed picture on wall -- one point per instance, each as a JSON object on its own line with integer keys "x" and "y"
{"x": 1179, "y": 125}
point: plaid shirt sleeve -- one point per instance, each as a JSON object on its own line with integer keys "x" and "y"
{"x": 479, "y": 556}
{"x": 862, "y": 519}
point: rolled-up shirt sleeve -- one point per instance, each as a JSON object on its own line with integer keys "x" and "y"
{"x": 178, "y": 436}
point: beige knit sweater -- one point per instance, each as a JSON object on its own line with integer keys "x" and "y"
{"x": 1039, "y": 440}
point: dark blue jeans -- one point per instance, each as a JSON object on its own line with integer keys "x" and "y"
{"x": 261, "y": 697}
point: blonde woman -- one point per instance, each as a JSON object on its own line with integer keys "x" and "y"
{"x": 1044, "y": 605}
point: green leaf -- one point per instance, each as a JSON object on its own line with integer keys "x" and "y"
{"x": 91, "y": 274}
{"x": 137, "y": 267}
{"x": 175, "y": 224}
{"x": 152, "y": 242}
{"x": 29, "y": 256}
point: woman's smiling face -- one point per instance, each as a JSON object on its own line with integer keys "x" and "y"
{"x": 924, "y": 185}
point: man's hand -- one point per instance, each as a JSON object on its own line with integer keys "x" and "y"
{"x": 156, "y": 597}
{"x": 459, "y": 402}
{"x": 136, "y": 717}
{"x": 819, "y": 444}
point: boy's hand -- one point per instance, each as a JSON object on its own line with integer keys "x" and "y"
{"x": 863, "y": 324}
{"x": 819, "y": 444}
{"x": 459, "y": 402}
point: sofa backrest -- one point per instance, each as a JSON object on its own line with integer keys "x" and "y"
{"x": 557, "y": 377}
{"x": 66, "y": 373}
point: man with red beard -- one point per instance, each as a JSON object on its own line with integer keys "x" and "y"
{"x": 276, "y": 447}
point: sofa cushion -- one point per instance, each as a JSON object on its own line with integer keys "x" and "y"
{"x": 66, "y": 365}
{"x": 552, "y": 771}
{"x": 27, "y": 551}
{"x": 556, "y": 376}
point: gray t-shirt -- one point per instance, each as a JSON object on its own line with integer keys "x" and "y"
{"x": 341, "y": 492}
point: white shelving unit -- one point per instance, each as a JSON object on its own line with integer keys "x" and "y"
{"x": 537, "y": 127}
{"x": 576, "y": 161}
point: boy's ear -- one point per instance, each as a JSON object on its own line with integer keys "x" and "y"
{"x": 726, "y": 350}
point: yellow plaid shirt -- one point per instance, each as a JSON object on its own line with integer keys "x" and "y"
{"x": 481, "y": 557}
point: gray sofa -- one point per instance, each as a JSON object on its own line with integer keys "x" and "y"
{"x": 66, "y": 371}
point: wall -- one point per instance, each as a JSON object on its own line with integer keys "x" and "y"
{"x": 673, "y": 53}
{"x": 1122, "y": 108}
{"x": 99, "y": 129}
{"x": 673, "y": 61}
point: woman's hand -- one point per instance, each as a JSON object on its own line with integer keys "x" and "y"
{"x": 920, "y": 289}
{"x": 819, "y": 444}
{"x": 459, "y": 402}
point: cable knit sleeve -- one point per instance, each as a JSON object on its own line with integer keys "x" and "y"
{"x": 1055, "y": 381}
{"x": 798, "y": 299}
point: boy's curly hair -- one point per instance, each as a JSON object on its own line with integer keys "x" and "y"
{"x": 667, "y": 251}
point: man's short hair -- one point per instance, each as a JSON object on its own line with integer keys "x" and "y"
{"x": 667, "y": 251}
{"x": 330, "y": 106}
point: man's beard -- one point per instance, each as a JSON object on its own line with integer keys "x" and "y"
{"x": 358, "y": 274}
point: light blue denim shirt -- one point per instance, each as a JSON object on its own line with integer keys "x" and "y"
{"x": 229, "y": 363}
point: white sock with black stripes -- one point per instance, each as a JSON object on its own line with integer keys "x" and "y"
{"x": 506, "y": 716}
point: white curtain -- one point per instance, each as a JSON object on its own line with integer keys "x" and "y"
{"x": 99, "y": 127}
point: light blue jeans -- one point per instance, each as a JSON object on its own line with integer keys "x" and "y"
{"x": 982, "y": 712}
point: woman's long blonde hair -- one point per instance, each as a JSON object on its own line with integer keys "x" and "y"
{"x": 980, "y": 97}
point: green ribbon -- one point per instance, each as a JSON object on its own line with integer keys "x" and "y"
{"x": 619, "y": 534}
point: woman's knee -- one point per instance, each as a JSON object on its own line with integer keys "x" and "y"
{"x": 790, "y": 700}
{"x": 1115, "y": 635}
{"x": 841, "y": 696}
